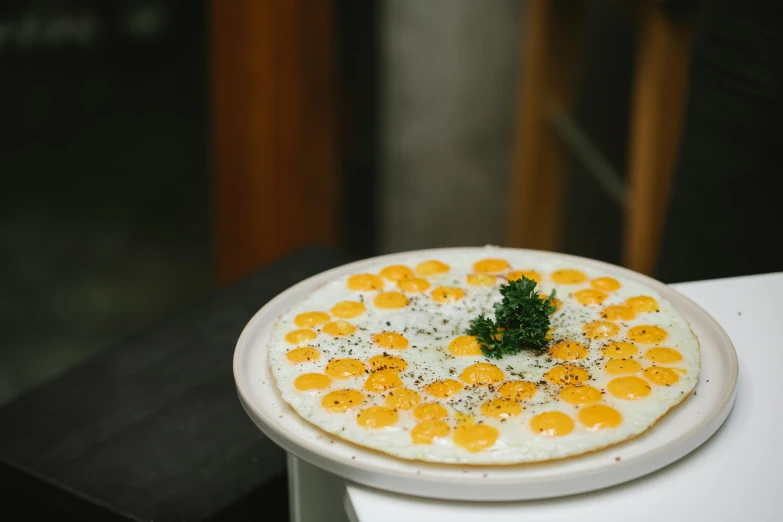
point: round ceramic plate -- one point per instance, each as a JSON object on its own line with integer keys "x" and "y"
{"x": 681, "y": 431}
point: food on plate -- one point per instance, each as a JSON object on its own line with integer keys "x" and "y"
{"x": 483, "y": 356}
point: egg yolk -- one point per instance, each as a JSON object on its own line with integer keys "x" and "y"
{"x": 365, "y": 282}
{"x": 501, "y": 408}
{"x": 430, "y": 411}
{"x": 647, "y": 334}
{"x": 621, "y": 366}
{"x": 490, "y": 265}
{"x": 338, "y": 328}
{"x": 302, "y": 355}
{"x": 402, "y": 399}
{"x": 568, "y": 277}
{"x": 476, "y": 437}
{"x": 619, "y": 349}
{"x": 396, "y": 272}
{"x": 579, "y": 395}
{"x": 566, "y": 374}
{"x": 443, "y": 389}
{"x": 607, "y": 284}
{"x": 446, "y": 294}
{"x": 391, "y": 340}
{"x": 387, "y": 362}
{"x": 432, "y": 267}
{"x": 590, "y": 296}
{"x": 481, "y": 373}
{"x": 618, "y": 313}
{"x": 552, "y": 424}
{"x": 390, "y": 300}
{"x": 382, "y": 380}
{"x": 300, "y": 336}
{"x": 600, "y": 329}
{"x": 376, "y": 417}
{"x": 643, "y": 303}
{"x": 345, "y": 368}
{"x": 348, "y": 309}
{"x": 312, "y": 381}
{"x": 568, "y": 351}
{"x": 342, "y": 400}
{"x": 414, "y": 285}
{"x": 599, "y": 417}
{"x": 311, "y": 319}
{"x": 663, "y": 355}
{"x": 662, "y": 376}
{"x": 464, "y": 345}
{"x": 425, "y": 432}
{"x": 555, "y": 301}
{"x": 481, "y": 280}
{"x": 517, "y": 390}
{"x": 628, "y": 388}
{"x": 519, "y": 274}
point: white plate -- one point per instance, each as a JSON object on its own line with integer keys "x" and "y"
{"x": 681, "y": 431}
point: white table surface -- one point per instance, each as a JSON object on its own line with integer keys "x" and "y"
{"x": 736, "y": 475}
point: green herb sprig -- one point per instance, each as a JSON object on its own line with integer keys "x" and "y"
{"x": 521, "y": 321}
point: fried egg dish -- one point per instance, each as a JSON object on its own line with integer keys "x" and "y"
{"x": 382, "y": 358}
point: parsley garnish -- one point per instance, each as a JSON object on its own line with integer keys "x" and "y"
{"x": 521, "y": 321}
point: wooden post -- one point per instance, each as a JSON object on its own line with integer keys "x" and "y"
{"x": 550, "y": 60}
{"x": 276, "y": 180}
{"x": 658, "y": 102}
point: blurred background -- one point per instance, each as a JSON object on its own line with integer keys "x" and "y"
{"x": 152, "y": 151}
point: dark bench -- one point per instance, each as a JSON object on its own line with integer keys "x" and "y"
{"x": 152, "y": 429}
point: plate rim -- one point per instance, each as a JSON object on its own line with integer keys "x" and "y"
{"x": 317, "y": 455}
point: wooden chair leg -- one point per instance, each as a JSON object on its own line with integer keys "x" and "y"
{"x": 549, "y": 70}
{"x": 274, "y": 122}
{"x": 658, "y": 101}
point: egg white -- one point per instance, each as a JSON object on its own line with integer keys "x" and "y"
{"x": 429, "y": 326}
